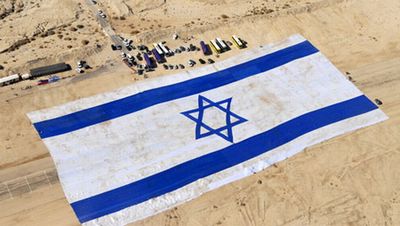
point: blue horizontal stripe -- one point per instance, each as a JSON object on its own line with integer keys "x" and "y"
{"x": 137, "y": 102}
{"x": 190, "y": 171}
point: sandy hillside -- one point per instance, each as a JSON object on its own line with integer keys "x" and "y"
{"x": 349, "y": 180}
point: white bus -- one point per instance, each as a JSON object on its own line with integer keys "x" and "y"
{"x": 9, "y": 80}
{"x": 222, "y": 44}
{"x": 237, "y": 41}
{"x": 215, "y": 46}
{"x": 158, "y": 49}
{"x": 164, "y": 49}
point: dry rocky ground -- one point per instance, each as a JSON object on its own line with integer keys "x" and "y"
{"x": 41, "y": 32}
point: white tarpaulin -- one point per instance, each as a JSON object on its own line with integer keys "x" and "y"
{"x": 125, "y": 155}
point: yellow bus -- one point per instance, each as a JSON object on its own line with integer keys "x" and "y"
{"x": 221, "y": 43}
{"x": 215, "y": 46}
{"x": 238, "y": 42}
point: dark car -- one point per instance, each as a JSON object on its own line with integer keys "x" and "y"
{"x": 210, "y": 61}
{"x": 202, "y": 61}
{"x": 139, "y": 56}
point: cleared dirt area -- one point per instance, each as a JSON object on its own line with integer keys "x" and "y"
{"x": 37, "y": 33}
{"x": 349, "y": 180}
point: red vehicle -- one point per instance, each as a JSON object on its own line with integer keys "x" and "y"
{"x": 43, "y": 82}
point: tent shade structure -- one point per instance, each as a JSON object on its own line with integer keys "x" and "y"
{"x": 51, "y": 69}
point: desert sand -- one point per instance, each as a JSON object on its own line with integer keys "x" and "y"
{"x": 353, "y": 179}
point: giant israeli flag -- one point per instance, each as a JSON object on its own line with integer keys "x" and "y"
{"x": 125, "y": 155}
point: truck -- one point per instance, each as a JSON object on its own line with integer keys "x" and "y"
{"x": 149, "y": 61}
{"x": 204, "y": 48}
{"x": 159, "y": 58}
{"x": 26, "y": 76}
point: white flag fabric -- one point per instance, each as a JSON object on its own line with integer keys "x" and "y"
{"x": 129, "y": 154}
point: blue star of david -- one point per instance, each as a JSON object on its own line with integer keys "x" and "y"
{"x": 225, "y": 131}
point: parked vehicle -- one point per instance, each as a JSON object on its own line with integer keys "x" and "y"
{"x": 81, "y": 63}
{"x": 158, "y": 49}
{"x": 191, "y": 63}
{"x": 238, "y": 42}
{"x": 79, "y": 70}
{"x": 43, "y": 82}
{"x": 204, "y": 47}
{"x": 159, "y": 58}
{"x": 149, "y": 61}
{"x": 54, "y": 78}
{"x": 101, "y": 13}
{"x": 215, "y": 46}
{"x": 222, "y": 44}
{"x": 192, "y": 47}
{"x": 165, "y": 49}
{"x": 10, "y": 80}
{"x": 127, "y": 42}
{"x": 126, "y": 61}
{"x": 139, "y": 56}
{"x": 26, "y": 76}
